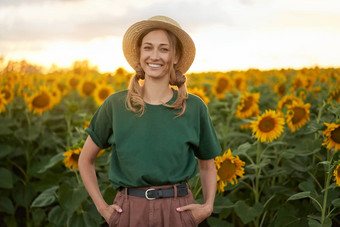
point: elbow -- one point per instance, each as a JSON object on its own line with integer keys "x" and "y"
{"x": 84, "y": 161}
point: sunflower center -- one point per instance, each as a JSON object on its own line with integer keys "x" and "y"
{"x": 6, "y": 93}
{"x": 88, "y": 87}
{"x": 75, "y": 157}
{"x": 299, "y": 114}
{"x": 41, "y": 100}
{"x": 298, "y": 83}
{"x": 222, "y": 85}
{"x": 248, "y": 102}
{"x": 103, "y": 93}
{"x": 335, "y": 135}
{"x": 287, "y": 102}
{"x": 282, "y": 89}
{"x": 238, "y": 82}
{"x": 267, "y": 124}
{"x": 73, "y": 82}
{"x": 335, "y": 95}
{"x": 61, "y": 87}
{"x": 227, "y": 170}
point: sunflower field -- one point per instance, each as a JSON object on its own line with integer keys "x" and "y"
{"x": 279, "y": 131}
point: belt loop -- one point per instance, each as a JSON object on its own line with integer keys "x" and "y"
{"x": 126, "y": 193}
{"x": 175, "y": 191}
{"x": 188, "y": 185}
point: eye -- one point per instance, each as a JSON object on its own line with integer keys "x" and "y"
{"x": 147, "y": 48}
{"x": 164, "y": 49}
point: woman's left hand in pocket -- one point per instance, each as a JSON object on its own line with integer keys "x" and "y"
{"x": 199, "y": 211}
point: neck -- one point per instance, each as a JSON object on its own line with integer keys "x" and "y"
{"x": 156, "y": 91}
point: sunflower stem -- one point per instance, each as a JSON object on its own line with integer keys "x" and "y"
{"x": 69, "y": 132}
{"x": 257, "y": 179}
{"x": 230, "y": 116}
{"x": 328, "y": 178}
{"x": 316, "y": 180}
{"x": 77, "y": 176}
{"x": 28, "y": 162}
{"x": 257, "y": 172}
{"x": 320, "y": 113}
{"x": 27, "y": 153}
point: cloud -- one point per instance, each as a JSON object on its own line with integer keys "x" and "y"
{"x": 86, "y": 20}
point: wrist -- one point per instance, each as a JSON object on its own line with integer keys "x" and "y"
{"x": 209, "y": 208}
{"x": 102, "y": 206}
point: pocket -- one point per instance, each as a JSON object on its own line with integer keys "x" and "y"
{"x": 190, "y": 220}
{"x": 190, "y": 200}
{"x": 112, "y": 219}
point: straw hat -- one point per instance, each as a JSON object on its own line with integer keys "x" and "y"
{"x": 136, "y": 30}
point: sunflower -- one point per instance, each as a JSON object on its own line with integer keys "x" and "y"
{"x": 268, "y": 126}
{"x": 228, "y": 168}
{"x": 73, "y": 82}
{"x": 336, "y": 174}
{"x": 222, "y": 84}
{"x": 72, "y": 157}
{"x": 332, "y": 133}
{"x": 101, "y": 92}
{"x": 248, "y": 105}
{"x": 240, "y": 81}
{"x": 288, "y": 100}
{"x": 40, "y": 101}
{"x": 7, "y": 90}
{"x": 200, "y": 93}
{"x": 297, "y": 115}
{"x": 56, "y": 95}
{"x": 3, "y": 103}
{"x": 86, "y": 124}
{"x": 280, "y": 89}
{"x": 299, "y": 82}
{"x": 87, "y": 87}
{"x": 335, "y": 95}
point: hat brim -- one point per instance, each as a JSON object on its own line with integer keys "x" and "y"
{"x": 130, "y": 46}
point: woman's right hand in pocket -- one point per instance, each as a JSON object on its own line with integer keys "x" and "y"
{"x": 109, "y": 210}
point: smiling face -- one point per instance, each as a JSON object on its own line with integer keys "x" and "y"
{"x": 156, "y": 54}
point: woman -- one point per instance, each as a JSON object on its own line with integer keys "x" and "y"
{"x": 158, "y": 135}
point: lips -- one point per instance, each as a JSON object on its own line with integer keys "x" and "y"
{"x": 154, "y": 65}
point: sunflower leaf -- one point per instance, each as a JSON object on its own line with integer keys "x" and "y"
{"x": 242, "y": 149}
{"x": 324, "y": 163}
{"x": 262, "y": 164}
{"x": 52, "y": 162}
{"x": 212, "y": 221}
{"x": 307, "y": 186}
{"x": 6, "y": 178}
{"x": 336, "y": 202}
{"x": 300, "y": 195}
{"x": 46, "y": 198}
{"x": 247, "y": 213}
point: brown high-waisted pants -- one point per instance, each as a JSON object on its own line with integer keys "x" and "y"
{"x": 140, "y": 212}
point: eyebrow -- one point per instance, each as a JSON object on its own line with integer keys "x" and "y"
{"x": 162, "y": 44}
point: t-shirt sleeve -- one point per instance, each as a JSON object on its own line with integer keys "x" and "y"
{"x": 209, "y": 146}
{"x": 100, "y": 127}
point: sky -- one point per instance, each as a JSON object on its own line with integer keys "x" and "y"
{"x": 228, "y": 34}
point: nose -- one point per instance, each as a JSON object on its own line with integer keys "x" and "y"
{"x": 154, "y": 55}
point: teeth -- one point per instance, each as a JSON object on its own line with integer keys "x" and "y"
{"x": 153, "y": 65}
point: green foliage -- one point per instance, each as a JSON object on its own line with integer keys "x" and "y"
{"x": 287, "y": 182}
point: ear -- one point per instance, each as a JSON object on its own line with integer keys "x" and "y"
{"x": 176, "y": 59}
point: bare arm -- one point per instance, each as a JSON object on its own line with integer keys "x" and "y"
{"x": 88, "y": 174}
{"x": 208, "y": 182}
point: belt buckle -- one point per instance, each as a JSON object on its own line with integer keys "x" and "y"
{"x": 146, "y": 194}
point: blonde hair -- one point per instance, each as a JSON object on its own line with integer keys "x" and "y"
{"x": 134, "y": 99}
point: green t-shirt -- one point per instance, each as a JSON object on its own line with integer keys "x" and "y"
{"x": 157, "y": 148}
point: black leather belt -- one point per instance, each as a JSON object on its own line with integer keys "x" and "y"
{"x": 151, "y": 193}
